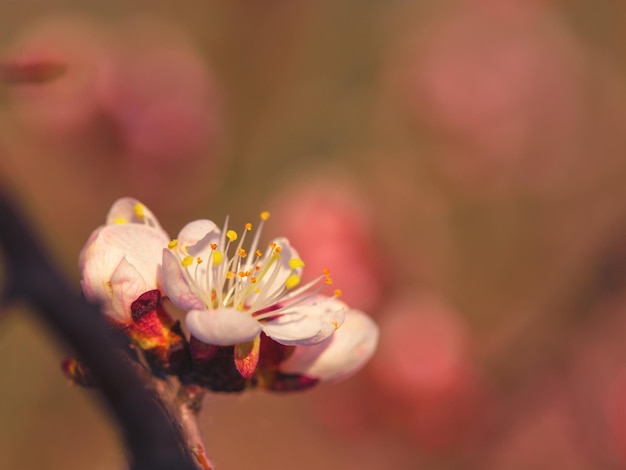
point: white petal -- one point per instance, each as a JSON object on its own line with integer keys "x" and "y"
{"x": 129, "y": 210}
{"x": 176, "y": 285}
{"x": 282, "y": 264}
{"x": 339, "y": 356}
{"x": 307, "y": 324}
{"x": 222, "y": 327}
{"x": 126, "y": 286}
{"x": 196, "y": 237}
{"x": 140, "y": 245}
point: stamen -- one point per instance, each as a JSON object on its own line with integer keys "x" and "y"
{"x": 120, "y": 221}
{"x": 250, "y": 283}
{"x": 231, "y": 235}
{"x": 292, "y": 295}
{"x": 292, "y": 281}
{"x": 139, "y": 210}
{"x": 295, "y": 263}
{"x": 288, "y": 305}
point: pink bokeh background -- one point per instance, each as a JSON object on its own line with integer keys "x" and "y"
{"x": 457, "y": 166}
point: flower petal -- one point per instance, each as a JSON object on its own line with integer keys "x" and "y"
{"x": 307, "y": 324}
{"x": 287, "y": 253}
{"x": 176, "y": 284}
{"x": 272, "y": 286}
{"x": 339, "y": 356}
{"x": 126, "y": 286}
{"x": 196, "y": 237}
{"x": 130, "y": 210}
{"x": 140, "y": 245}
{"x": 222, "y": 327}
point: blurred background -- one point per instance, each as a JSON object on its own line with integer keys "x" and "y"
{"x": 458, "y": 165}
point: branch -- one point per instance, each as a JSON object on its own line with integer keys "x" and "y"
{"x": 153, "y": 441}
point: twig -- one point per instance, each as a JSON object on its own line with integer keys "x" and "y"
{"x": 153, "y": 441}
{"x": 189, "y": 404}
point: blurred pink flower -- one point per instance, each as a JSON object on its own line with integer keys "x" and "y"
{"x": 330, "y": 223}
{"x": 423, "y": 366}
{"x": 497, "y": 86}
{"x": 423, "y": 347}
{"x": 616, "y": 415}
{"x": 160, "y": 94}
{"x": 67, "y": 104}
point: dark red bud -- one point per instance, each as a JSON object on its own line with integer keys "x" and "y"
{"x": 290, "y": 383}
{"x": 77, "y": 372}
{"x": 146, "y": 302}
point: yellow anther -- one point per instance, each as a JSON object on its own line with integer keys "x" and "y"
{"x": 187, "y": 261}
{"x": 278, "y": 249}
{"x": 272, "y": 245}
{"x": 257, "y": 290}
{"x": 257, "y": 268}
{"x": 328, "y": 280}
{"x": 120, "y": 221}
{"x": 295, "y": 263}
{"x": 326, "y": 272}
{"x": 265, "y": 215}
{"x": 248, "y": 226}
{"x": 292, "y": 281}
{"x": 231, "y": 235}
{"x": 214, "y": 246}
{"x": 173, "y": 244}
{"x": 199, "y": 260}
{"x": 230, "y": 275}
{"x": 217, "y": 257}
{"x": 253, "y": 280}
{"x": 259, "y": 253}
{"x": 140, "y": 211}
{"x": 242, "y": 253}
{"x": 337, "y": 293}
{"x": 242, "y": 274}
{"x": 335, "y": 324}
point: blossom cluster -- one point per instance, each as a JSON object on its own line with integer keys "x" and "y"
{"x": 251, "y": 321}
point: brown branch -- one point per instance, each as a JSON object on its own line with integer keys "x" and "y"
{"x": 189, "y": 405}
{"x": 153, "y": 441}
